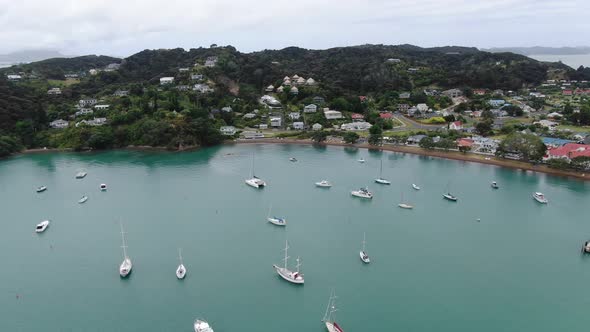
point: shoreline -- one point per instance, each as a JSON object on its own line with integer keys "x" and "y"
{"x": 452, "y": 155}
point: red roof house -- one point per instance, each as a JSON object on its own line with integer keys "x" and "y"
{"x": 569, "y": 151}
{"x": 465, "y": 142}
{"x": 356, "y": 116}
{"x": 385, "y": 115}
{"x": 567, "y": 92}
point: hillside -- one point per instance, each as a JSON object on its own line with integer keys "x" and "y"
{"x": 56, "y": 68}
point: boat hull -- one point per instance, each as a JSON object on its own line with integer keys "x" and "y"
{"x": 202, "y": 326}
{"x": 540, "y": 200}
{"x": 405, "y": 206}
{"x": 364, "y": 257}
{"x": 256, "y": 183}
{"x": 288, "y": 275}
{"x": 181, "y": 272}
{"x": 333, "y": 327}
{"x": 450, "y": 198}
{"x": 323, "y": 185}
{"x": 277, "y": 221}
{"x": 382, "y": 181}
{"x": 83, "y": 200}
{"x": 41, "y": 189}
{"x": 125, "y": 268}
{"x": 361, "y": 195}
{"x": 415, "y": 187}
{"x": 42, "y": 226}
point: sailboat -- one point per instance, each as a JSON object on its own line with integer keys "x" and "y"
{"x": 381, "y": 180}
{"x": 292, "y": 277}
{"x": 254, "y": 181}
{"x": 405, "y": 205}
{"x": 180, "y": 270}
{"x": 126, "y": 265}
{"x": 415, "y": 186}
{"x": 449, "y": 196}
{"x": 276, "y": 220}
{"x": 330, "y": 317}
{"x": 364, "y": 257}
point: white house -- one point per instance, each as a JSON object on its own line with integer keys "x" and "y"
{"x": 211, "y": 61}
{"x": 270, "y": 88}
{"x": 202, "y": 88}
{"x": 354, "y": 126}
{"x": 270, "y": 101}
{"x": 87, "y": 102}
{"x": 14, "y": 77}
{"x": 54, "y": 91}
{"x": 101, "y": 107}
{"x": 275, "y": 122}
{"x": 317, "y": 126}
{"x": 252, "y": 134}
{"x": 227, "y": 109}
{"x": 59, "y": 124}
{"x": 280, "y": 89}
{"x": 453, "y": 93}
{"x": 197, "y": 77}
{"x": 298, "y": 125}
{"x": 311, "y": 108}
{"x": 183, "y": 70}
{"x": 228, "y": 130}
{"x": 263, "y": 126}
{"x": 294, "y": 115}
{"x": 294, "y": 91}
{"x": 310, "y": 81}
{"x": 423, "y": 108}
{"x": 249, "y": 116}
{"x": 93, "y": 122}
{"x": 166, "y": 80}
{"x": 84, "y": 111}
{"x": 121, "y": 93}
{"x": 332, "y": 115}
{"x": 457, "y": 125}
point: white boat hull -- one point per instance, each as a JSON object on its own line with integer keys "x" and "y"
{"x": 292, "y": 277}
{"x": 81, "y": 175}
{"x": 323, "y": 184}
{"x": 382, "y": 181}
{"x": 256, "y": 183}
{"x": 361, "y": 195}
{"x": 450, "y": 198}
{"x": 405, "y": 206}
{"x": 103, "y": 187}
{"x": 125, "y": 268}
{"x": 202, "y": 326}
{"x": 277, "y": 221}
{"x": 364, "y": 257}
{"x": 82, "y": 200}
{"x": 541, "y": 200}
{"x": 332, "y": 327}
{"x": 181, "y": 272}
{"x": 415, "y": 187}
{"x": 41, "y": 189}
{"x": 42, "y": 226}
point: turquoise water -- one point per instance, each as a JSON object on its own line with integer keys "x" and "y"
{"x": 433, "y": 268}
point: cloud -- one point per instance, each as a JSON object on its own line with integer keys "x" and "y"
{"x": 124, "y": 26}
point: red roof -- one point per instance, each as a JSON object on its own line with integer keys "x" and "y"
{"x": 479, "y": 91}
{"x": 458, "y": 123}
{"x": 465, "y": 142}
{"x": 385, "y": 115}
{"x": 570, "y": 150}
{"x": 363, "y": 98}
{"x": 357, "y": 116}
{"x": 567, "y": 92}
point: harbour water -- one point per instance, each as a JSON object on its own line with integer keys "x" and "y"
{"x": 434, "y": 268}
{"x": 572, "y": 60}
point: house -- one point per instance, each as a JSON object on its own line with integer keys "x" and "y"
{"x": 263, "y": 126}
{"x": 385, "y": 115}
{"x": 87, "y": 102}
{"x": 83, "y": 111}
{"x": 453, "y": 93}
{"x": 498, "y": 92}
{"x": 484, "y": 145}
{"x": 404, "y": 95}
{"x": 287, "y": 82}
{"x": 311, "y": 108}
{"x": 298, "y": 125}
{"x": 568, "y": 152}
{"x": 457, "y": 125}
{"x": 121, "y": 93}
{"x": 294, "y": 115}
{"x": 228, "y": 130}
{"x": 464, "y": 143}
{"x": 280, "y": 89}
{"x": 546, "y": 123}
{"x": 249, "y": 116}
{"x": 310, "y": 81}
{"x": 276, "y": 122}
{"x": 294, "y": 91}
{"x": 183, "y": 70}
{"x": 422, "y": 108}
{"x": 14, "y": 77}
{"x": 363, "y": 99}
{"x": 182, "y": 87}
{"x": 112, "y": 67}
{"x": 54, "y": 91}
{"x": 166, "y": 80}
{"x": 496, "y": 102}
{"x": 270, "y": 101}
{"x": 93, "y": 71}
{"x": 70, "y": 76}
{"x": 332, "y": 115}
{"x": 354, "y": 126}
{"x": 101, "y": 107}
{"x": 252, "y": 134}
{"x": 202, "y": 88}
{"x": 479, "y": 92}
{"x": 413, "y": 112}
{"x": 319, "y": 100}
{"x": 316, "y": 126}
{"x": 270, "y": 88}
{"x": 357, "y": 117}
{"x": 393, "y": 60}
{"x": 552, "y": 142}
{"x": 227, "y": 109}
{"x": 197, "y": 77}
{"x": 211, "y": 61}
{"x": 94, "y": 122}
{"x": 300, "y": 81}
{"x": 567, "y": 92}
{"x": 554, "y": 116}
{"x": 59, "y": 124}
{"x": 403, "y": 108}
{"x": 414, "y": 140}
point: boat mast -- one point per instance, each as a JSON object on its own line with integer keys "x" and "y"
{"x": 180, "y": 255}
{"x": 286, "y": 250}
{"x": 252, "y": 167}
{"x": 363, "y": 242}
{"x": 298, "y": 264}
{"x": 123, "y": 240}
{"x": 331, "y": 308}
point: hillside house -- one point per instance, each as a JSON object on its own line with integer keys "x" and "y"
{"x": 568, "y": 152}
{"x": 121, "y": 93}
{"x": 228, "y": 130}
{"x": 319, "y": 100}
{"x": 197, "y": 77}
{"x": 54, "y": 91}
{"x": 298, "y": 125}
{"x": 332, "y": 115}
{"x": 457, "y": 125}
{"x": 102, "y": 107}
{"x": 276, "y": 122}
{"x": 356, "y": 126}
{"x": 453, "y": 93}
{"x": 87, "y": 102}
{"x": 294, "y": 115}
{"x": 59, "y": 124}
{"x": 166, "y": 80}
{"x": 311, "y": 108}
{"x": 405, "y": 95}
{"x": 317, "y": 126}
{"x": 83, "y": 111}
{"x": 13, "y": 77}
{"x": 270, "y": 88}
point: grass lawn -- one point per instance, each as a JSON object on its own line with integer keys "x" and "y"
{"x": 583, "y": 129}
{"x": 66, "y": 82}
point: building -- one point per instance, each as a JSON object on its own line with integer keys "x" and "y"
{"x": 59, "y": 124}
{"x": 568, "y": 152}
{"x": 14, "y": 77}
{"x": 479, "y": 92}
{"x": 316, "y": 126}
{"x": 276, "y": 122}
{"x": 182, "y": 87}
{"x": 197, "y": 77}
{"x": 457, "y": 125}
{"x": 385, "y": 115}
{"x": 263, "y": 126}
{"x": 453, "y": 93}
{"x": 83, "y": 111}
{"x": 294, "y": 91}
{"x": 357, "y": 117}
{"x": 270, "y": 101}
{"x": 332, "y": 115}
{"x": 403, "y": 108}
{"x": 249, "y": 116}
{"x": 93, "y": 71}
{"x": 355, "y": 126}
{"x": 202, "y": 88}
{"x": 415, "y": 140}
{"x": 54, "y": 91}
{"x": 298, "y": 125}
{"x": 270, "y": 88}
{"x": 546, "y": 124}
{"x": 280, "y": 89}
{"x": 228, "y": 130}
{"x": 552, "y": 142}
{"x": 121, "y": 93}
{"x": 87, "y": 102}
{"x": 496, "y": 102}
{"x": 422, "y": 108}
{"x": 227, "y": 109}
{"x": 319, "y": 100}
{"x": 211, "y": 61}
{"x": 310, "y": 82}
{"x": 405, "y": 95}
{"x": 311, "y": 108}
{"x": 183, "y": 70}
{"x": 166, "y": 80}
{"x": 567, "y": 92}
{"x": 94, "y": 122}
{"x": 393, "y": 60}
{"x": 294, "y": 115}
{"x": 112, "y": 67}
{"x": 102, "y": 107}
{"x": 252, "y": 134}
{"x": 70, "y": 76}
{"x": 484, "y": 145}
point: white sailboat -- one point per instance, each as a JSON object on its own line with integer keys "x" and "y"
{"x": 449, "y": 196}
{"x": 330, "y": 317}
{"x": 405, "y": 205}
{"x": 381, "y": 180}
{"x": 276, "y": 220}
{"x": 254, "y": 181}
{"x": 83, "y": 199}
{"x": 363, "y": 254}
{"x": 180, "y": 270}
{"x": 415, "y": 186}
{"x": 202, "y": 326}
{"x": 294, "y": 277}
{"x": 126, "y": 265}
{"x": 81, "y": 174}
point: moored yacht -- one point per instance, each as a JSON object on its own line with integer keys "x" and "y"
{"x": 41, "y": 189}
{"x": 362, "y": 160}
{"x": 405, "y": 205}
{"x": 363, "y": 253}
{"x": 294, "y": 277}
{"x": 362, "y": 193}
{"x": 323, "y": 184}
{"x": 81, "y": 174}
{"x": 494, "y": 185}
{"x": 415, "y": 186}
{"x": 103, "y": 187}
{"x": 540, "y": 197}
{"x": 126, "y": 265}
{"x": 83, "y": 199}
{"x": 42, "y": 226}
{"x": 254, "y": 181}
{"x": 180, "y": 270}
{"x": 202, "y": 326}
{"x": 450, "y": 197}
{"x": 380, "y": 179}
{"x": 279, "y": 221}
{"x": 293, "y": 159}
{"x": 330, "y": 317}
{"x": 586, "y": 247}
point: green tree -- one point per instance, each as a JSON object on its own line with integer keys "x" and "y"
{"x": 528, "y": 146}
{"x": 351, "y": 137}
{"x": 484, "y": 128}
{"x": 319, "y": 136}
{"x": 426, "y": 143}
{"x": 375, "y": 135}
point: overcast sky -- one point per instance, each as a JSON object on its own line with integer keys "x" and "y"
{"x": 123, "y": 27}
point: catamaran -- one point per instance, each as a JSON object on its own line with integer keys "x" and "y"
{"x": 323, "y": 184}
{"x": 254, "y": 181}
{"x": 540, "y": 197}
{"x": 381, "y": 180}
{"x": 363, "y": 254}
{"x": 126, "y": 265}
{"x": 180, "y": 270}
{"x": 405, "y": 205}
{"x": 202, "y": 326}
{"x": 41, "y": 189}
{"x": 42, "y": 226}
{"x": 83, "y": 199}
{"x": 362, "y": 193}
{"x": 292, "y": 277}
{"x": 330, "y": 317}
{"x": 275, "y": 220}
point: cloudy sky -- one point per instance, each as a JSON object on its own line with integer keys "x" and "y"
{"x": 123, "y": 27}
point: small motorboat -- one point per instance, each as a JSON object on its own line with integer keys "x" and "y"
{"x": 41, "y": 189}
{"x": 202, "y": 326}
{"x": 361, "y": 160}
{"x": 362, "y": 193}
{"x": 81, "y": 175}
{"x": 540, "y": 197}
{"x": 83, "y": 199}
{"x": 405, "y": 206}
{"x": 415, "y": 186}
{"x": 103, "y": 187}
{"x": 292, "y": 159}
{"x": 323, "y": 184}
{"x": 42, "y": 226}
{"x": 495, "y": 185}
{"x": 450, "y": 197}
{"x": 586, "y": 247}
